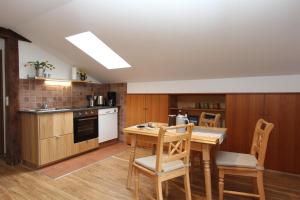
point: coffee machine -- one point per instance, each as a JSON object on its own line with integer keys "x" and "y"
{"x": 111, "y": 98}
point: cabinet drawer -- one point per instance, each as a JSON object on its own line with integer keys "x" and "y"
{"x": 86, "y": 145}
{"x": 55, "y": 124}
{"x": 56, "y": 148}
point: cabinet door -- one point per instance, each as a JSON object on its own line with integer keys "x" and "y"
{"x": 152, "y": 108}
{"x": 135, "y": 109}
{"x": 47, "y": 150}
{"x": 55, "y": 124}
{"x": 157, "y": 108}
{"x": 56, "y": 148}
{"x": 283, "y": 147}
{"x": 242, "y": 113}
{"x": 163, "y": 108}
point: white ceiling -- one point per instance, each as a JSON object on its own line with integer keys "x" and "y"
{"x": 167, "y": 39}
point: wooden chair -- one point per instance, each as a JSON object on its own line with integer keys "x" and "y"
{"x": 209, "y": 119}
{"x": 246, "y": 164}
{"x": 162, "y": 167}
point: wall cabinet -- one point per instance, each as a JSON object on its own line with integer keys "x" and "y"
{"x": 47, "y": 138}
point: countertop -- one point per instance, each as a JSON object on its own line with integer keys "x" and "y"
{"x": 59, "y": 110}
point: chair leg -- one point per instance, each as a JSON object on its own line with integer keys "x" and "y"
{"x": 260, "y": 185}
{"x": 166, "y": 188}
{"x": 137, "y": 184}
{"x": 187, "y": 185}
{"x": 221, "y": 184}
{"x": 158, "y": 183}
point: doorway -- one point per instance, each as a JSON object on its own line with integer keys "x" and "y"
{"x": 1, "y": 109}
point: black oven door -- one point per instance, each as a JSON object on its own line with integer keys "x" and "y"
{"x": 85, "y": 128}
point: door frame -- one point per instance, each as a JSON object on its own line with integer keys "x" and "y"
{"x": 2, "y": 107}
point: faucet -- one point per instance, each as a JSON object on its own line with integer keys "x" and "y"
{"x": 44, "y": 106}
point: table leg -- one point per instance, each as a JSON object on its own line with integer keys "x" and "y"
{"x": 207, "y": 173}
{"x": 131, "y": 159}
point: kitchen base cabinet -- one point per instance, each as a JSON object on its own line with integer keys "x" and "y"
{"x": 47, "y": 138}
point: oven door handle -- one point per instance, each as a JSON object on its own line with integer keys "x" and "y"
{"x": 85, "y": 119}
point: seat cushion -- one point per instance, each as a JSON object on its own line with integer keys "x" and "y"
{"x": 149, "y": 162}
{"x": 231, "y": 159}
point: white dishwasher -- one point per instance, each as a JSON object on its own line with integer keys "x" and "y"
{"x": 108, "y": 124}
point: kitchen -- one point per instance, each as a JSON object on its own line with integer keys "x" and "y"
{"x": 92, "y": 92}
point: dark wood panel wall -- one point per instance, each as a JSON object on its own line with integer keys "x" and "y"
{"x": 13, "y": 137}
{"x": 1, "y": 109}
{"x": 242, "y": 113}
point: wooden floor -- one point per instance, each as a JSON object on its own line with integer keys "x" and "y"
{"x": 106, "y": 179}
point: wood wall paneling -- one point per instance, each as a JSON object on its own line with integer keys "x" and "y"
{"x": 242, "y": 113}
{"x": 283, "y": 148}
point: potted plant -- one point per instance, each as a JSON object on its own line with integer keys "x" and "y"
{"x": 82, "y": 75}
{"x": 40, "y": 67}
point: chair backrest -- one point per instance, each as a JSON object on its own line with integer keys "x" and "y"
{"x": 209, "y": 119}
{"x": 179, "y": 145}
{"x": 260, "y": 140}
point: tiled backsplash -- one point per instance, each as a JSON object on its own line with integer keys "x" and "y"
{"x": 33, "y": 93}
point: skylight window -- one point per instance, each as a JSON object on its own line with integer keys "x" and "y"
{"x": 98, "y": 50}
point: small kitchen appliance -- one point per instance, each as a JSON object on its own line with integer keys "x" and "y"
{"x": 90, "y": 99}
{"x": 100, "y": 101}
{"x": 111, "y": 98}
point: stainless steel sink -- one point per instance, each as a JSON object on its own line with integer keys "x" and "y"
{"x": 49, "y": 109}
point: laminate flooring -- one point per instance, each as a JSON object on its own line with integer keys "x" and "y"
{"x": 106, "y": 180}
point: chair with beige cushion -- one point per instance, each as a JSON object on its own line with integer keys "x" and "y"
{"x": 174, "y": 163}
{"x": 246, "y": 164}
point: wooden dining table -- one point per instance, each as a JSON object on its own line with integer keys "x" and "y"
{"x": 203, "y": 140}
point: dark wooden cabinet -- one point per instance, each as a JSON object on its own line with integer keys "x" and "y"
{"x": 242, "y": 113}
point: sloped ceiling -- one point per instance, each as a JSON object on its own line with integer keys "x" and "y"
{"x": 167, "y": 39}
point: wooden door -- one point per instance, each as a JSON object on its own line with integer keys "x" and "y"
{"x": 1, "y": 109}
{"x": 283, "y": 147}
{"x": 242, "y": 113}
{"x": 135, "y": 109}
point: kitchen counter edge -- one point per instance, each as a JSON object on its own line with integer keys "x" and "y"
{"x": 66, "y": 110}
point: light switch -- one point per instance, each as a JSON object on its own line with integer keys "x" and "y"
{"x": 7, "y": 101}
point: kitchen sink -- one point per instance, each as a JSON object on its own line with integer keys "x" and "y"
{"x": 49, "y": 109}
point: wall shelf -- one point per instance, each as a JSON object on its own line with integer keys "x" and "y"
{"x": 53, "y": 79}
{"x": 199, "y": 109}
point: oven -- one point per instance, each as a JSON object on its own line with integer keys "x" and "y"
{"x": 85, "y": 125}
